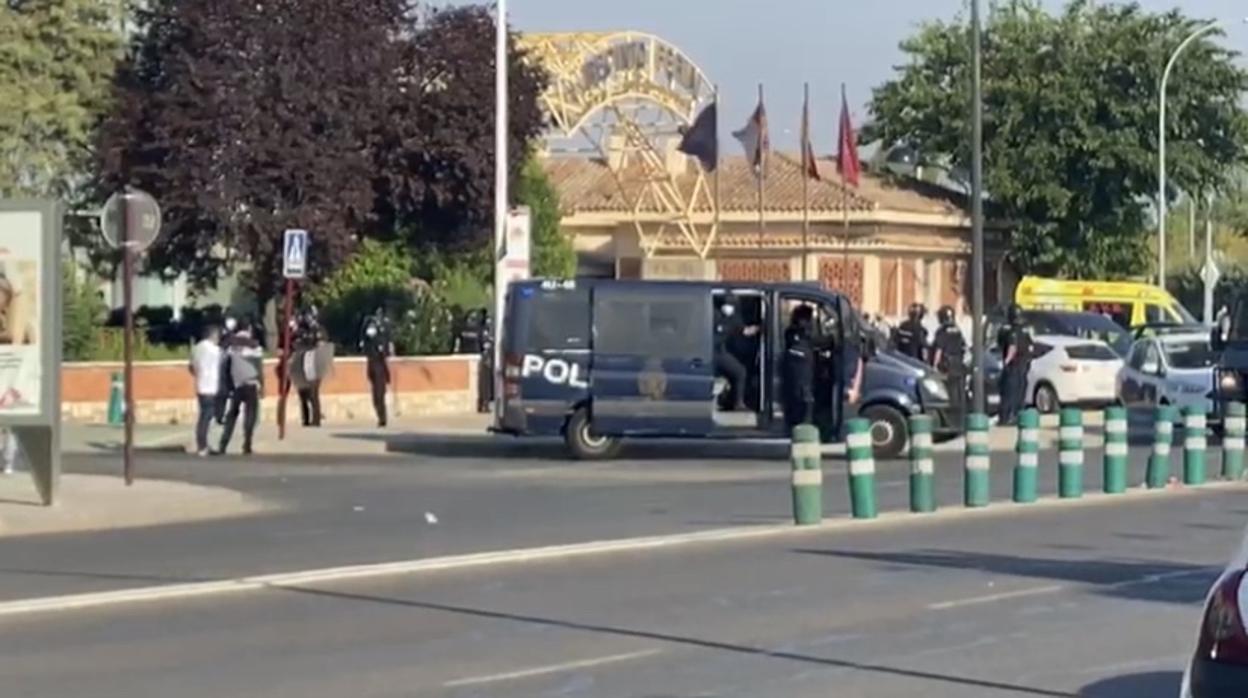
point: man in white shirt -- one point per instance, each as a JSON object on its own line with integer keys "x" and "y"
{"x": 206, "y": 367}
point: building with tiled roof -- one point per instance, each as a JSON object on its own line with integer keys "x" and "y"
{"x": 886, "y": 244}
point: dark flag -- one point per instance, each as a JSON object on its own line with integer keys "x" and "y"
{"x": 701, "y": 140}
{"x": 847, "y": 162}
{"x": 755, "y": 140}
{"x": 809, "y": 164}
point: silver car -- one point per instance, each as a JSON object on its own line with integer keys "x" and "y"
{"x": 1168, "y": 369}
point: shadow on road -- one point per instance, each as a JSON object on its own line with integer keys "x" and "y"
{"x": 506, "y": 447}
{"x": 966, "y": 681}
{"x": 1141, "y": 580}
{"x": 1157, "y": 684}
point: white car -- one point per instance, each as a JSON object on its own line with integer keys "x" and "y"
{"x": 1071, "y": 371}
{"x": 1219, "y": 666}
{"x": 1169, "y": 369}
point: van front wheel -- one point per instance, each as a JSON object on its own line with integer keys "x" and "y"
{"x": 584, "y": 444}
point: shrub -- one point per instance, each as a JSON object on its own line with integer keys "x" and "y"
{"x": 82, "y": 312}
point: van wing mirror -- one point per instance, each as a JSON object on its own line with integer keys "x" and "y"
{"x": 1152, "y": 368}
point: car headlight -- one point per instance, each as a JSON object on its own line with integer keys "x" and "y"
{"x": 1229, "y": 383}
{"x": 935, "y": 388}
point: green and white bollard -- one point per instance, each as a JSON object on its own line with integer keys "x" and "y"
{"x": 117, "y": 400}
{"x": 1234, "y": 424}
{"x": 922, "y": 470}
{"x": 1070, "y": 454}
{"x": 861, "y": 469}
{"x": 977, "y": 491}
{"x": 1163, "y": 436}
{"x": 1195, "y": 445}
{"x": 1028, "y": 449}
{"x": 807, "y": 460}
{"x": 1115, "y": 472}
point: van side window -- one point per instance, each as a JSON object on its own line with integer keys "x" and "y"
{"x": 655, "y": 327}
{"x": 559, "y": 321}
{"x": 1120, "y": 313}
{"x": 1156, "y": 315}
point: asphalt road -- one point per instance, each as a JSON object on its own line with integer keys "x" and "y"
{"x": 495, "y": 496}
{"x": 1099, "y": 600}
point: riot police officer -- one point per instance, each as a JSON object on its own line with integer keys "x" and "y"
{"x": 1014, "y": 343}
{"x": 799, "y": 368}
{"x": 911, "y": 336}
{"x": 307, "y": 344}
{"x": 378, "y": 348}
{"x": 949, "y": 355}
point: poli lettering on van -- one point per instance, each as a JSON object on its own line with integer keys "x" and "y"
{"x": 295, "y": 254}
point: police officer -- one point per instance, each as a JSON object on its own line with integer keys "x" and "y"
{"x": 378, "y": 348}
{"x": 729, "y": 326}
{"x": 230, "y": 327}
{"x": 911, "y": 335}
{"x": 799, "y": 368}
{"x": 949, "y": 355}
{"x": 1014, "y": 343}
{"x": 307, "y": 344}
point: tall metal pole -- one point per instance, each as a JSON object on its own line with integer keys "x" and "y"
{"x": 1161, "y": 148}
{"x": 979, "y": 400}
{"x": 1208, "y": 266}
{"x": 762, "y": 179}
{"x": 806, "y": 154}
{"x": 127, "y": 300}
{"x": 1191, "y": 227}
{"x": 500, "y": 196}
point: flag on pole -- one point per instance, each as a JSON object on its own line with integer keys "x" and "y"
{"x": 847, "y": 162}
{"x": 701, "y": 140}
{"x": 755, "y": 140}
{"x": 809, "y": 164}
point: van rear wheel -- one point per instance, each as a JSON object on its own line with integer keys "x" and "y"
{"x": 584, "y": 444}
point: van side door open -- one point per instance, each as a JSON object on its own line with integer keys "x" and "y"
{"x": 652, "y": 369}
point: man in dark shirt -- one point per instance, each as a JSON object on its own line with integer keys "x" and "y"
{"x": 799, "y": 368}
{"x": 949, "y": 355}
{"x": 1014, "y": 343}
{"x": 911, "y": 336}
{"x": 728, "y": 326}
{"x": 378, "y": 348}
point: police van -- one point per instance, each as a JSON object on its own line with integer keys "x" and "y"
{"x": 595, "y": 361}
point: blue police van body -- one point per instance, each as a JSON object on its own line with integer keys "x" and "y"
{"x": 594, "y": 361}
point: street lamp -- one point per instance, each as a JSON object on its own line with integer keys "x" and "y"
{"x": 1161, "y": 148}
{"x": 500, "y": 191}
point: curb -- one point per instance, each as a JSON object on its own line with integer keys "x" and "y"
{"x": 290, "y": 580}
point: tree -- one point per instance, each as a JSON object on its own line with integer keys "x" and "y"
{"x": 437, "y": 160}
{"x": 1070, "y": 132}
{"x": 244, "y": 119}
{"x": 56, "y": 60}
{"x": 552, "y": 253}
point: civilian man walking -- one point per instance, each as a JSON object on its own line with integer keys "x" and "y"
{"x": 206, "y": 367}
{"x": 245, "y": 359}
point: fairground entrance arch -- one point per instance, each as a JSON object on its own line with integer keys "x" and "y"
{"x": 629, "y": 95}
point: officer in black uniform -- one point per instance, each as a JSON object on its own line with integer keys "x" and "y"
{"x": 1014, "y": 343}
{"x": 378, "y": 348}
{"x": 949, "y": 355}
{"x": 911, "y": 335}
{"x": 799, "y": 368}
{"x": 307, "y": 342}
{"x": 729, "y": 326}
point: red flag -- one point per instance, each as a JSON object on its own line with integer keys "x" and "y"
{"x": 808, "y": 149}
{"x": 755, "y": 139}
{"x": 847, "y": 163}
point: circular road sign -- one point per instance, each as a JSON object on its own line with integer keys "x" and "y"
{"x": 142, "y": 224}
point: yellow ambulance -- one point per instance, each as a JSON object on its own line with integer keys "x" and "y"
{"x": 1128, "y": 303}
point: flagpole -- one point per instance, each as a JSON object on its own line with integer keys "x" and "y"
{"x": 715, "y": 227}
{"x": 844, "y": 208}
{"x": 762, "y": 173}
{"x": 806, "y": 181}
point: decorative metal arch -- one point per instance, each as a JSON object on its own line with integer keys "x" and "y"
{"x": 624, "y": 92}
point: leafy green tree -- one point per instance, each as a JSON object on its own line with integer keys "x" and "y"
{"x": 56, "y": 60}
{"x": 1070, "y": 132}
{"x": 82, "y": 315}
{"x": 378, "y": 275}
{"x": 552, "y": 252}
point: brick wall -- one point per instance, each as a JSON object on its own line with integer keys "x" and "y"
{"x": 165, "y": 392}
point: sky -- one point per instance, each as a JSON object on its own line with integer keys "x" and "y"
{"x": 784, "y": 43}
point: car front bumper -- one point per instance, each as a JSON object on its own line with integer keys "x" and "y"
{"x": 1210, "y": 679}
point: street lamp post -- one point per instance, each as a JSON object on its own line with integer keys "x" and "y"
{"x": 1161, "y": 148}
{"x": 978, "y": 394}
{"x": 500, "y": 193}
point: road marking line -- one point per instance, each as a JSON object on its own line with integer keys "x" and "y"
{"x": 992, "y": 598}
{"x": 168, "y": 592}
{"x": 552, "y": 669}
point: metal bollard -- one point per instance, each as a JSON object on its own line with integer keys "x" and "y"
{"x": 922, "y": 470}
{"x": 977, "y": 488}
{"x": 1233, "y": 425}
{"x": 116, "y": 401}
{"x": 807, "y": 460}
{"x": 1028, "y": 449}
{"x": 1070, "y": 454}
{"x": 1163, "y": 436}
{"x": 1195, "y": 445}
{"x": 1116, "y": 450}
{"x": 861, "y": 469}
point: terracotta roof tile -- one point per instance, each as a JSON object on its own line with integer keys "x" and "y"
{"x": 587, "y": 185}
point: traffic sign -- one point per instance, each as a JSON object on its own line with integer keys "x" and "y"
{"x": 295, "y": 254}
{"x": 142, "y": 219}
{"x": 1210, "y": 273}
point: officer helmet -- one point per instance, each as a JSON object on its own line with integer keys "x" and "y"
{"x": 915, "y": 312}
{"x": 945, "y": 315}
{"x": 1014, "y": 314}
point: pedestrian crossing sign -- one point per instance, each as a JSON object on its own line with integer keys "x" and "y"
{"x": 295, "y": 254}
